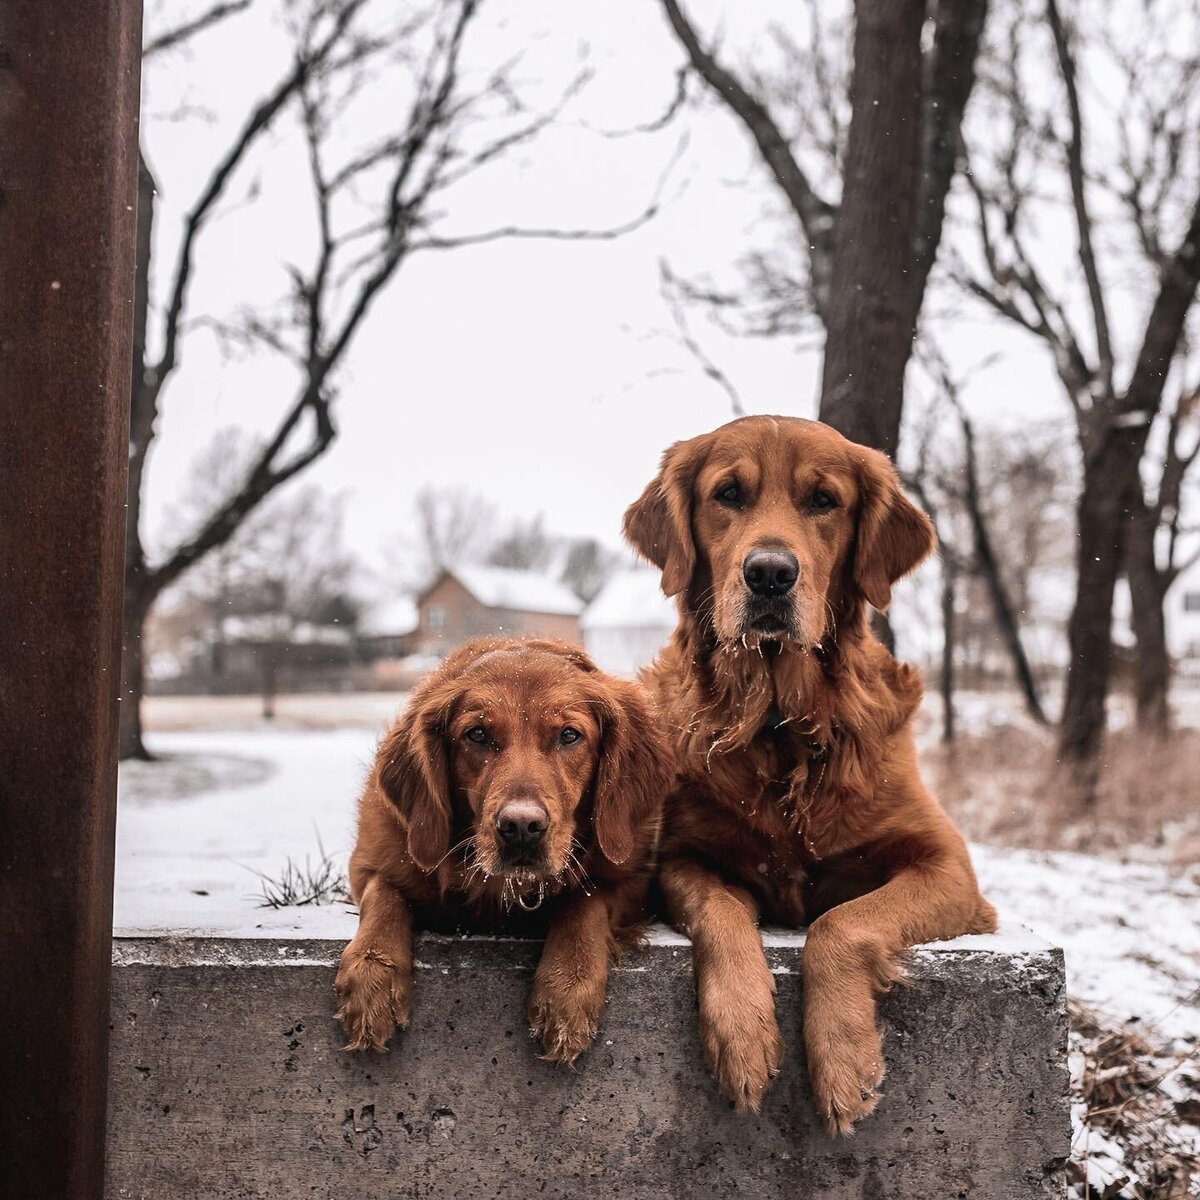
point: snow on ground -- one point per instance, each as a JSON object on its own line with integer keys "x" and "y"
{"x": 1130, "y": 930}
{"x": 197, "y": 828}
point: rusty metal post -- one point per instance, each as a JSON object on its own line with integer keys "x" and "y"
{"x": 69, "y": 79}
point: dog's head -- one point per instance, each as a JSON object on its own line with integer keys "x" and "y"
{"x": 524, "y": 751}
{"x": 776, "y": 527}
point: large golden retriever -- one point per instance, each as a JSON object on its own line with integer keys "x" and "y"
{"x": 521, "y": 791}
{"x": 798, "y": 799}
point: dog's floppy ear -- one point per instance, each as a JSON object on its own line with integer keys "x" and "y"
{"x": 658, "y": 524}
{"x": 634, "y": 771}
{"x": 413, "y": 770}
{"x": 894, "y": 535}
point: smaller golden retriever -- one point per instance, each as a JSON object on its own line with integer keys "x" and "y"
{"x": 520, "y": 792}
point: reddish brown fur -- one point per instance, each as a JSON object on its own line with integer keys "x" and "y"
{"x": 798, "y": 799}
{"x": 427, "y": 853}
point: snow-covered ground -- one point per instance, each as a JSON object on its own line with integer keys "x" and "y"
{"x": 196, "y": 829}
{"x": 1130, "y": 930}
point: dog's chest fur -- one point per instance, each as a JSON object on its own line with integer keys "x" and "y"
{"x": 774, "y": 782}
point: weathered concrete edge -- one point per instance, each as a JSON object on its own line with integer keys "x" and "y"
{"x": 277, "y": 948}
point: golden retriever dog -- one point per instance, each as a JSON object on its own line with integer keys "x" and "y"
{"x": 798, "y": 799}
{"x": 520, "y": 791}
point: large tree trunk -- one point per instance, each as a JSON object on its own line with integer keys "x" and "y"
{"x": 138, "y": 600}
{"x": 1147, "y": 591}
{"x": 1109, "y": 477}
{"x": 872, "y": 312}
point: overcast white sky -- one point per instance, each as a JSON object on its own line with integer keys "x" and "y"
{"x": 534, "y": 373}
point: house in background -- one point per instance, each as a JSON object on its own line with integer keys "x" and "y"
{"x": 1182, "y": 616}
{"x": 627, "y": 623}
{"x": 469, "y": 602}
{"x": 386, "y": 630}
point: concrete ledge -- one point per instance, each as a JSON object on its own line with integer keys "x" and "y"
{"x": 227, "y": 1080}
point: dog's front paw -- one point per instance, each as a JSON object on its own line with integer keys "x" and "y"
{"x": 373, "y": 998}
{"x": 740, "y": 1036}
{"x": 564, "y": 1017}
{"x": 845, "y": 1064}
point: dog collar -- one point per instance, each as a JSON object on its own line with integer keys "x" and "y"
{"x": 528, "y": 902}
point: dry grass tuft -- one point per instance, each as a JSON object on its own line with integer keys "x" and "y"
{"x": 1003, "y": 787}
{"x": 320, "y": 882}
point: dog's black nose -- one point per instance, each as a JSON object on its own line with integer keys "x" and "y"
{"x": 770, "y": 572}
{"x": 521, "y": 823}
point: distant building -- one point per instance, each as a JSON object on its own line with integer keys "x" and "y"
{"x": 469, "y": 602}
{"x": 1182, "y": 617}
{"x": 386, "y": 630}
{"x": 627, "y": 623}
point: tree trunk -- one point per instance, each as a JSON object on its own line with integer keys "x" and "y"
{"x": 1152, "y": 662}
{"x": 1109, "y": 477}
{"x": 139, "y": 597}
{"x": 949, "y": 637}
{"x": 872, "y": 312}
{"x": 270, "y": 668}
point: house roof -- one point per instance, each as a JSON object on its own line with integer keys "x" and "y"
{"x": 389, "y": 618}
{"x": 631, "y": 599}
{"x": 522, "y": 591}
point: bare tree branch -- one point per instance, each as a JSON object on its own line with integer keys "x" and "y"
{"x": 949, "y": 78}
{"x": 1164, "y": 328}
{"x": 259, "y": 120}
{"x": 509, "y": 232}
{"x": 517, "y": 232}
{"x": 814, "y": 213}
{"x": 985, "y": 555}
{"x": 674, "y": 105}
{"x": 184, "y": 32}
{"x": 669, "y": 288}
{"x": 1075, "y": 171}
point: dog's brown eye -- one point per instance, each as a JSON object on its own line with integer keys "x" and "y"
{"x": 569, "y": 736}
{"x": 476, "y": 734}
{"x": 822, "y": 501}
{"x": 730, "y": 494}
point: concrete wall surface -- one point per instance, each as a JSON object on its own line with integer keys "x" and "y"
{"x": 227, "y": 1079}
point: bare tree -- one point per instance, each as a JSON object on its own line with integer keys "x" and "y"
{"x": 587, "y": 566}
{"x": 988, "y": 566}
{"x": 452, "y": 527}
{"x": 286, "y": 564}
{"x": 867, "y": 254}
{"x": 377, "y": 202}
{"x": 952, "y": 492}
{"x": 925, "y": 482}
{"x": 1151, "y": 192}
{"x": 985, "y": 560}
{"x": 525, "y": 545}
